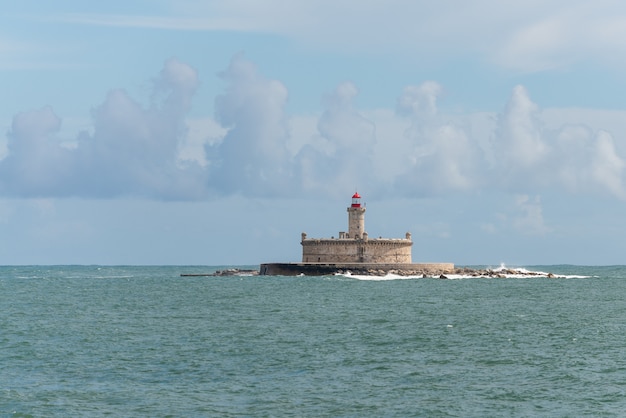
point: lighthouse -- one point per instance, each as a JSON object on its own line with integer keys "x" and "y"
{"x": 356, "y": 218}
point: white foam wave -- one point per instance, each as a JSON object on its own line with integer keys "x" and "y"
{"x": 375, "y": 278}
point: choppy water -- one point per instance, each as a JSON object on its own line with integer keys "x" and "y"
{"x": 143, "y": 341}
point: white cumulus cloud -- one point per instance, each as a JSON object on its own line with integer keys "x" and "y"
{"x": 253, "y": 157}
{"x": 132, "y": 150}
{"x": 528, "y": 156}
{"x": 607, "y": 167}
{"x": 443, "y": 156}
{"x": 253, "y": 147}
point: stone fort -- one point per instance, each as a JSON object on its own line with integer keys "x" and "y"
{"x": 355, "y": 246}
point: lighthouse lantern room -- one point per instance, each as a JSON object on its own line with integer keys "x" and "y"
{"x": 356, "y": 200}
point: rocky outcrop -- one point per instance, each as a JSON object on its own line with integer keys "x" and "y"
{"x": 370, "y": 269}
{"x": 227, "y": 272}
{"x": 434, "y": 270}
{"x": 459, "y": 271}
{"x": 423, "y": 270}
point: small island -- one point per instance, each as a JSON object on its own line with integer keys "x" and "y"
{"x": 355, "y": 252}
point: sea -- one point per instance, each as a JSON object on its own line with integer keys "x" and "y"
{"x": 135, "y": 341}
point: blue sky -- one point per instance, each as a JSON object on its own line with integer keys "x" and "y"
{"x": 193, "y": 132}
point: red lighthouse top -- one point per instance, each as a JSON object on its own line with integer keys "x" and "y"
{"x": 356, "y": 200}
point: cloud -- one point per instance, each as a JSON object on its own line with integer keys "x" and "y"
{"x": 443, "y": 157}
{"x": 253, "y": 157}
{"x": 519, "y": 143}
{"x": 607, "y": 166}
{"x": 564, "y": 34}
{"x": 18, "y": 53}
{"x": 529, "y": 220}
{"x": 185, "y": 23}
{"x": 36, "y": 164}
{"x": 342, "y": 151}
{"x": 253, "y": 147}
{"x": 132, "y": 150}
{"x": 530, "y": 157}
{"x": 532, "y": 36}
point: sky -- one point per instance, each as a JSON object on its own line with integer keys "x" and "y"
{"x": 162, "y": 132}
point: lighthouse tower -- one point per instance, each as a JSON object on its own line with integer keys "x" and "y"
{"x": 356, "y": 218}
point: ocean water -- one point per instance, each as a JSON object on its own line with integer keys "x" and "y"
{"x": 143, "y": 341}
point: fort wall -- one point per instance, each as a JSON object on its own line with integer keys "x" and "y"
{"x": 356, "y": 250}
